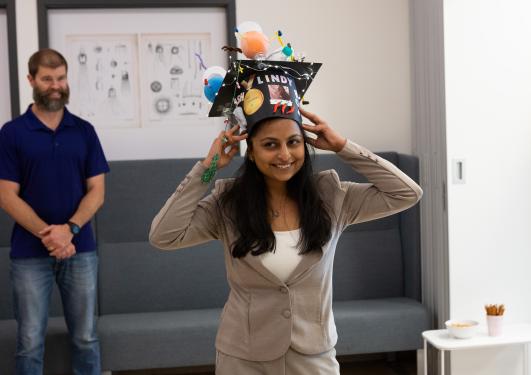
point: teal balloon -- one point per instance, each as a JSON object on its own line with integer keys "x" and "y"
{"x": 212, "y": 88}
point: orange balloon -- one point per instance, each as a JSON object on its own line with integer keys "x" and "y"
{"x": 254, "y": 43}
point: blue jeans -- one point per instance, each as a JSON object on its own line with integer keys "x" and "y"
{"x": 32, "y": 281}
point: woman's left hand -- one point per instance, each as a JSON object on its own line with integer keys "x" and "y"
{"x": 327, "y": 138}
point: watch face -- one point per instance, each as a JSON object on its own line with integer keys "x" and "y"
{"x": 74, "y": 228}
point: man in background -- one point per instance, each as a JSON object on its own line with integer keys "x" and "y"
{"x": 52, "y": 170}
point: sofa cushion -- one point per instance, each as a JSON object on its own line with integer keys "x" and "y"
{"x": 56, "y": 355}
{"x": 135, "y": 277}
{"x": 158, "y": 340}
{"x": 187, "y": 337}
{"x": 380, "y": 325}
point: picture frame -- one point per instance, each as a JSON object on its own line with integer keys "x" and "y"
{"x": 11, "y": 109}
{"x": 121, "y": 56}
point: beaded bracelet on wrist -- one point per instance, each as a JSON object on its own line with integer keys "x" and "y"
{"x": 207, "y": 175}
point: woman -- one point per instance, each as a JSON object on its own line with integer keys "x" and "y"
{"x": 279, "y": 225}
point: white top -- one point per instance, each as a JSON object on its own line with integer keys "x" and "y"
{"x": 286, "y": 257}
{"x": 512, "y": 334}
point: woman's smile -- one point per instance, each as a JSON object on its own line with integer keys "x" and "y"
{"x": 278, "y": 150}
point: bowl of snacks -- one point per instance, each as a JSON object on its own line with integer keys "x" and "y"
{"x": 462, "y": 329}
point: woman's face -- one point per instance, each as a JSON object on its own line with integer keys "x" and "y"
{"x": 277, "y": 149}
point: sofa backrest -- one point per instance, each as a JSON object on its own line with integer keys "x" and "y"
{"x": 136, "y": 277}
{"x": 6, "y": 300}
{"x": 380, "y": 258}
{"x": 373, "y": 260}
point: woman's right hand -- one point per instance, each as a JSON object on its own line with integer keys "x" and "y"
{"x": 226, "y": 145}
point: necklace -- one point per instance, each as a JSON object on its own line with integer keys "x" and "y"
{"x": 276, "y": 213}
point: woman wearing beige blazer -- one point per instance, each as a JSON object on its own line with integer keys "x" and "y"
{"x": 279, "y": 225}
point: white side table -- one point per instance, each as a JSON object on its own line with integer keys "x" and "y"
{"x": 512, "y": 335}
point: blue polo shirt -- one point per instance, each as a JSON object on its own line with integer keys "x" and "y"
{"x": 51, "y": 168}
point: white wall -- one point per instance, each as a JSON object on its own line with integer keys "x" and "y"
{"x": 363, "y": 89}
{"x": 488, "y": 93}
{"x": 27, "y": 44}
{"x": 5, "y": 93}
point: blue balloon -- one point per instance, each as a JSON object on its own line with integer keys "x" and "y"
{"x": 212, "y": 88}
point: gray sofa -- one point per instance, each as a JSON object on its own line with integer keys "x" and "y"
{"x": 160, "y": 309}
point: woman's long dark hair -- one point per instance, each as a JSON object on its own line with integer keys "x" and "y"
{"x": 246, "y": 203}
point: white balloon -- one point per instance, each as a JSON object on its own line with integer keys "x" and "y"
{"x": 214, "y": 70}
{"x": 248, "y": 26}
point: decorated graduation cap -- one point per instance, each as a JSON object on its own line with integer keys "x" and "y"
{"x": 263, "y": 89}
{"x": 271, "y": 84}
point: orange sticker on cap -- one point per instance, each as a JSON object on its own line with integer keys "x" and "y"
{"x": 253, "y": 101}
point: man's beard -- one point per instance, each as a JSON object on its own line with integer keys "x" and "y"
{"x": 43, "y": 99}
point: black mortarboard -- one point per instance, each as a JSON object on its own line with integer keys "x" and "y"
{"x": 264, "y": 89}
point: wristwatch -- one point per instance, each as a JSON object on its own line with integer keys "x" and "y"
{"x": 74, "y": 228}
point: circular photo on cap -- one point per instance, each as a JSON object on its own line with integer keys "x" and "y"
{"x": 253, "y": 101}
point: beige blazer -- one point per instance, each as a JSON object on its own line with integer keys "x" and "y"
{"x": 264, "y": 316}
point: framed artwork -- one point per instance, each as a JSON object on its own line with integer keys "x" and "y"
{"x": 9, "y": 95}
{"x": 103, "y": 77}
{"x": 137, "y": 76}
{"x": 172, "y": 71}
